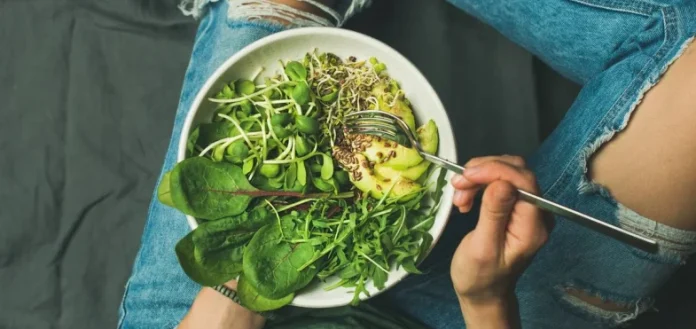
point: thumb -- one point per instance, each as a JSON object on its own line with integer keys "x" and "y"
{"x": 498, "y": 200}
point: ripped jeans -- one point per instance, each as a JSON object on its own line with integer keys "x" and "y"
{"x": 617, "y": 49}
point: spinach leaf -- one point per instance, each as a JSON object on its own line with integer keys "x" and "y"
{"x": 205, "y": 189}
{"x": 271, "y": 264}
{"x": 209, "y": 133}
{"x": 191, "y": 142}
{"x": 252, "y": 300}
{"x": 212, "y": 254}
{"x": 163, "y": 191}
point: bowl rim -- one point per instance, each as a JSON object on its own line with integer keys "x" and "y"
{"x": 428, "y": 89}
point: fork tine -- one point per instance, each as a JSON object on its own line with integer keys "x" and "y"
{"x": 372, "y": 118}
{"x": 391, "y": 132}
{"x": 376, "y": 124}
{"x": 371, "y": 131}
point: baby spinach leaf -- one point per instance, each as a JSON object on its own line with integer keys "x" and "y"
{"x": 212, "y": 254}
{"x": 216, "y": 268}
{"x": 252, "y": 300}
{"x": 191, "y": 142}
{"x": 163, "y": 192}
{"x": 205, "y": 189}
{"x": 271, "y": 264}
{"x": 209, "y": 133}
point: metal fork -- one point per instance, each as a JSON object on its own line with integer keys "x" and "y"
{"x": 387, "y": 125}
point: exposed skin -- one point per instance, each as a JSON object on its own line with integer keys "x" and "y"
{"x": 650, "y": 167}
{"x": 509, "y": 232}
{"x": 656, "y": 146}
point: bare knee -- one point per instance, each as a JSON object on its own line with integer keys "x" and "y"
{"x": 650, "y": 167}
{"x": 286, "y": 12}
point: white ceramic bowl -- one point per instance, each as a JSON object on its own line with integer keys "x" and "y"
{"x": 293, "y": 45}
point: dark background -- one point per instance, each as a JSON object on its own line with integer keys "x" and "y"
{"x": 88, "y": 92}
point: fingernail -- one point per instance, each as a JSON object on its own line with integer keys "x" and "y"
{"x": 472, "y": 171}
{"x": 458, "y": 179}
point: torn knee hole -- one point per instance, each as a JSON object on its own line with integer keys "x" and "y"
{"x": 597, "y": 301}
{"x": 286, "y": 12}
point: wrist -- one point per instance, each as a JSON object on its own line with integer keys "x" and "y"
{"x": 213, "y": 310}
{"x": 494, "y": 312}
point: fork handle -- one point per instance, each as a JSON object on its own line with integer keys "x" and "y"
{"x": 590, "y": 222}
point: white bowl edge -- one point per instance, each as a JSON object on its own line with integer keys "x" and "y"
{"x": 443, "y": 213}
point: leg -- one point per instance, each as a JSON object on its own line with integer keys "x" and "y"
{"x": 582, "y": 279}
{"x": 158, "y": 293}
{"x": 575, "y": 37}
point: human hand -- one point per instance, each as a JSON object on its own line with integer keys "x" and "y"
{"x": 509, "y": 232}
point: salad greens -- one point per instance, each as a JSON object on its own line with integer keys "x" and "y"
{"x": 284, "y": 196}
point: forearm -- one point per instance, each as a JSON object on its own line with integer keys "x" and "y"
{"x": 500, "y": 314}
{"x": 212, "y": 310}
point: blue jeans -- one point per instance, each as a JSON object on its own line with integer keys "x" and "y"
{"x": 617, "y": 49}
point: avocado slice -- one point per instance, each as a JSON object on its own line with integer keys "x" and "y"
{"x": 400, "y": 108}
{"x": 389, "y": 153}
{"x": 362, "y": 177}
{"x": 429, "y": 139}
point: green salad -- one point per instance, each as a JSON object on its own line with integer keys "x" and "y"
{"x": 285, "y": 196}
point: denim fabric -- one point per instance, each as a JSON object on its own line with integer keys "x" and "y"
{"x": 158, "y": 293}
{"x": 617, "y": 49}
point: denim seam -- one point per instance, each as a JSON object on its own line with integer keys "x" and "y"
{"x": 631, "y": 7}
{"x": 619, "y": 103}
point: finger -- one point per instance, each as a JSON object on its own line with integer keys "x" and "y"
{"x": 498, "y": 202}
{"x": 495, "y": 170}
{"x": 463, "y": 198}
{"x": 460, "y": 182}
{"x": 513, "y": 160}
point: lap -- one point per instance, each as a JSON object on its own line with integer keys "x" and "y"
{"x": 615, "y": 64}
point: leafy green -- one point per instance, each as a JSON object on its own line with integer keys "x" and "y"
{"x": 212, "y": 253}
{"x": 301, "y": 93}
{"x": 201, "y": 188}
{"x": 163, "y": 191}
{"x": 209, "y": 133}
{"x": 295, "y": 71}
{"x": 271, "y": 205}
{"x": 271, "y": 264}
{"x": 252, "y": 300}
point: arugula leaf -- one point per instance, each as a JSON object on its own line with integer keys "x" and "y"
{"x": 201, "y": 188}
{"x": 271, "y": 265}
{"x": 410, "y": 266}
{"x": 252, "y": 300}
